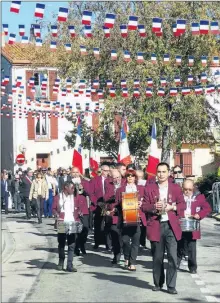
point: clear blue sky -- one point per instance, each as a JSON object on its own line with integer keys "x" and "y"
{"x": 26, "y": 15}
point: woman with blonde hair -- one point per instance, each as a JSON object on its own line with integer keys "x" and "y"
{"x": 38, "y": 193}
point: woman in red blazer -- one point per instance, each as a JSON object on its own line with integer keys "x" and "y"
{"x": 131, "y": 233}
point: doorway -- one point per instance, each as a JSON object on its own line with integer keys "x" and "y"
{"x": 43, "y": 160}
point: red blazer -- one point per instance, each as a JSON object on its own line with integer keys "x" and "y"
{"x": 201, "y": 207}
{"x": 151, "y": 193}
{"x": 140, "y": 189}
{"x": 96, "y": 192}
{"x": 77, "y": 208}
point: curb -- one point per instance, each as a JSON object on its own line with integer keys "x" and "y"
{"x": 216, "y": 216}
{"x": 9, "y": 244}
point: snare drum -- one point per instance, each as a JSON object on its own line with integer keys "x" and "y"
{"x": 130, "y": 208}
{"x": 189, "y": 225}
{"x": 69, "y": 228}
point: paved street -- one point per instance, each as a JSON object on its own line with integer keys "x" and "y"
{"x": 29, "y": 270}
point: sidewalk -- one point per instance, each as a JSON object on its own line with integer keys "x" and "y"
{"x": 22, "y": 260}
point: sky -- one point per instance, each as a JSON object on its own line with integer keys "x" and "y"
{"x": 26, "y": 15}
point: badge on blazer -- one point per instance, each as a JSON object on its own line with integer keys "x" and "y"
{"x": 198, "y": 209}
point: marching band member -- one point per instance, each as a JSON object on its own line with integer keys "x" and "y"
{"x": 112, "y": 213}
{"x": 82, "y": 190}
{"x": 197, "y": 208}
{"x": 164, "y": 203}
{"x": 97, "y": 191}
{"x": 67, "y": 208}
{"x": 131, "y": 232}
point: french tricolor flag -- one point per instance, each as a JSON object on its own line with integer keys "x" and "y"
{"x": 175, "y": 33}
{"x": 72, "y": 31}
{"x": 156, "y": 25}
{"x": 109, "y": 83}
{"x": 198, "y": 90}
{"x": 203, "y": 77}
{"x": 100, "y": 93}
{"x": 95, "y": 84}
{"x": 12, "y": 38}
{"x": 181, "y": 26}
{"x": 88, "y": 93}
{"x": 76, "y": 93}
{"x": 83, "y": 50}
{"x": 112, "y": 92}
{"x": 190, "y": 60}
{"x": 149, "y": 92}
{"x": 96, "y": 52}
{"x": 173, "y": 91}
{"x": 124, "y": 30}
{"x": 210, "y": 89}
{"x": 215, "y": 61}
{"x": 214, "y": 28}
{"x": 62, "y": 15}
{"x": 204, "y": 27}
{"x": 132, "y": 23}
{"x": 68, "y": 47}
{"x": 166, "y": 58}
{"x": 39, "y": 42}
{"x": 21, "y": 30}
{"x": 161, "y": 92}
{"x": 18, "y": 81}
{"x": 113, "y": 55}
{"x": 109, "y": 20}
{"x": 149, "y": 82}
{"x": 140, "y": 57}
{"x": 178, "y": 60}
{"x": 54, "y": 30}
{"x": 163, "y": 81}
{"x": 5, "y": 29}
{"x": 127, "y": 56}
{"x": 195, "y": 28}
{"x": 160, "y": 33}
{"x": 123, "y": 83}
{"x": 153, "y": 157}
{"x": 87, "y": 18}
{"x": 190, "y": 79}
{"x": 88, "y": 31}
{"x": 24, "y": 40}
{"x": 136, "y": 93}
{"x": 142, "y": 30}
{"x": 136, "y": 83}
{"x": 124, "y": 92}
{"x": 6, "y": 80}
{"x": 15, "y": 7}
{"x": 77, "y": 154}
{"x": 177, "y": 80}
{"x": 124, "y": 153}
{"x": 186, "y": 91}
{"x": 39, "y": 10}
{"x": 37, "y": 30}
{"x": 204, "y": 60}
{"x": 53, "y": 45}
{"x": 106, "y": 31}
{"x": 153, "y": 58}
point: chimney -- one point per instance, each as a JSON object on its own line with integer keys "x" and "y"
{"x": 3, "y": 39}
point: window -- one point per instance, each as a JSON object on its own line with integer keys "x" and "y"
{"x": 38, "y": 77}
{"x": 42, "y": 130}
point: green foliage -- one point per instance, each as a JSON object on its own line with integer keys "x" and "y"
{"x": 205, "y": 184}
{"x": 185, "y": 118}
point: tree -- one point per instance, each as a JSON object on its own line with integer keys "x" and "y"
{"x": 182, "y": 118}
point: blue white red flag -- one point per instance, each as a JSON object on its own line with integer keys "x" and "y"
{"x": 109, "y": 20}
{"x": 132, "y": 23}
{"x": 39, "y": 10}
{"x": 5, "y": 29}
{"x": 87, "y": 18}
{"x": 124, "y": 153}
{"x": 62, "y": 15}
{"x": 15, "y": 7}
{"x": 154, "y": 156}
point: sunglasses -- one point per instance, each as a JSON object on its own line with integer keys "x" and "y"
{"x": 177, "y": 172}
{"x": 130, "y": 175}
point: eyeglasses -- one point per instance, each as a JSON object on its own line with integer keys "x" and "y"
{"x": 130, "y": 175}
{"x": 188, "y": 189}
{"x": 177, "y": 172}
{"x": 105, "y": 170}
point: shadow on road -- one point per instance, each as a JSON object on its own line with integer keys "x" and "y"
{"x": 95, "y": 260}
{"x": 39, "y": 263}
{"x": 42, "y": 234}
{"x": 120, "y": 279}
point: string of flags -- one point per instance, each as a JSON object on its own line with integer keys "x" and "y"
{"x": 179, "y": 26}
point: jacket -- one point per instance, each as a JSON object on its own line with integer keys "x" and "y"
{"x": 34, "y": 190}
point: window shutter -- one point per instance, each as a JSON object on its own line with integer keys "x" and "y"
{"x": 52, "y": 77}
{"x": 53, "y": 128}
{"x": 29, "y": 74}
{"x": 117, "y": 126}
{"x": 31, "y": 127}
{"x": 95, "y": 121}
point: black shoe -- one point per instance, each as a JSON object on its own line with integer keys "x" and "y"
{"x": 95, "y": 247}
{"x": 60, "y": 265}
{"x": 83, "y": 251}
{"x": 71, "y": 269}
{"x": 193, "y": 271}
{"x": 77, "y": 252}
{"x": 172, "y": 291}
{"x": 156, "y": 288}
{"x": 39, "y": 221}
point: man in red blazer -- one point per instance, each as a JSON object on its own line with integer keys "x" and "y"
{"x": 97, "y": 203}
{"x": 164, "y": 204}
{"x": 198, "y": 208}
